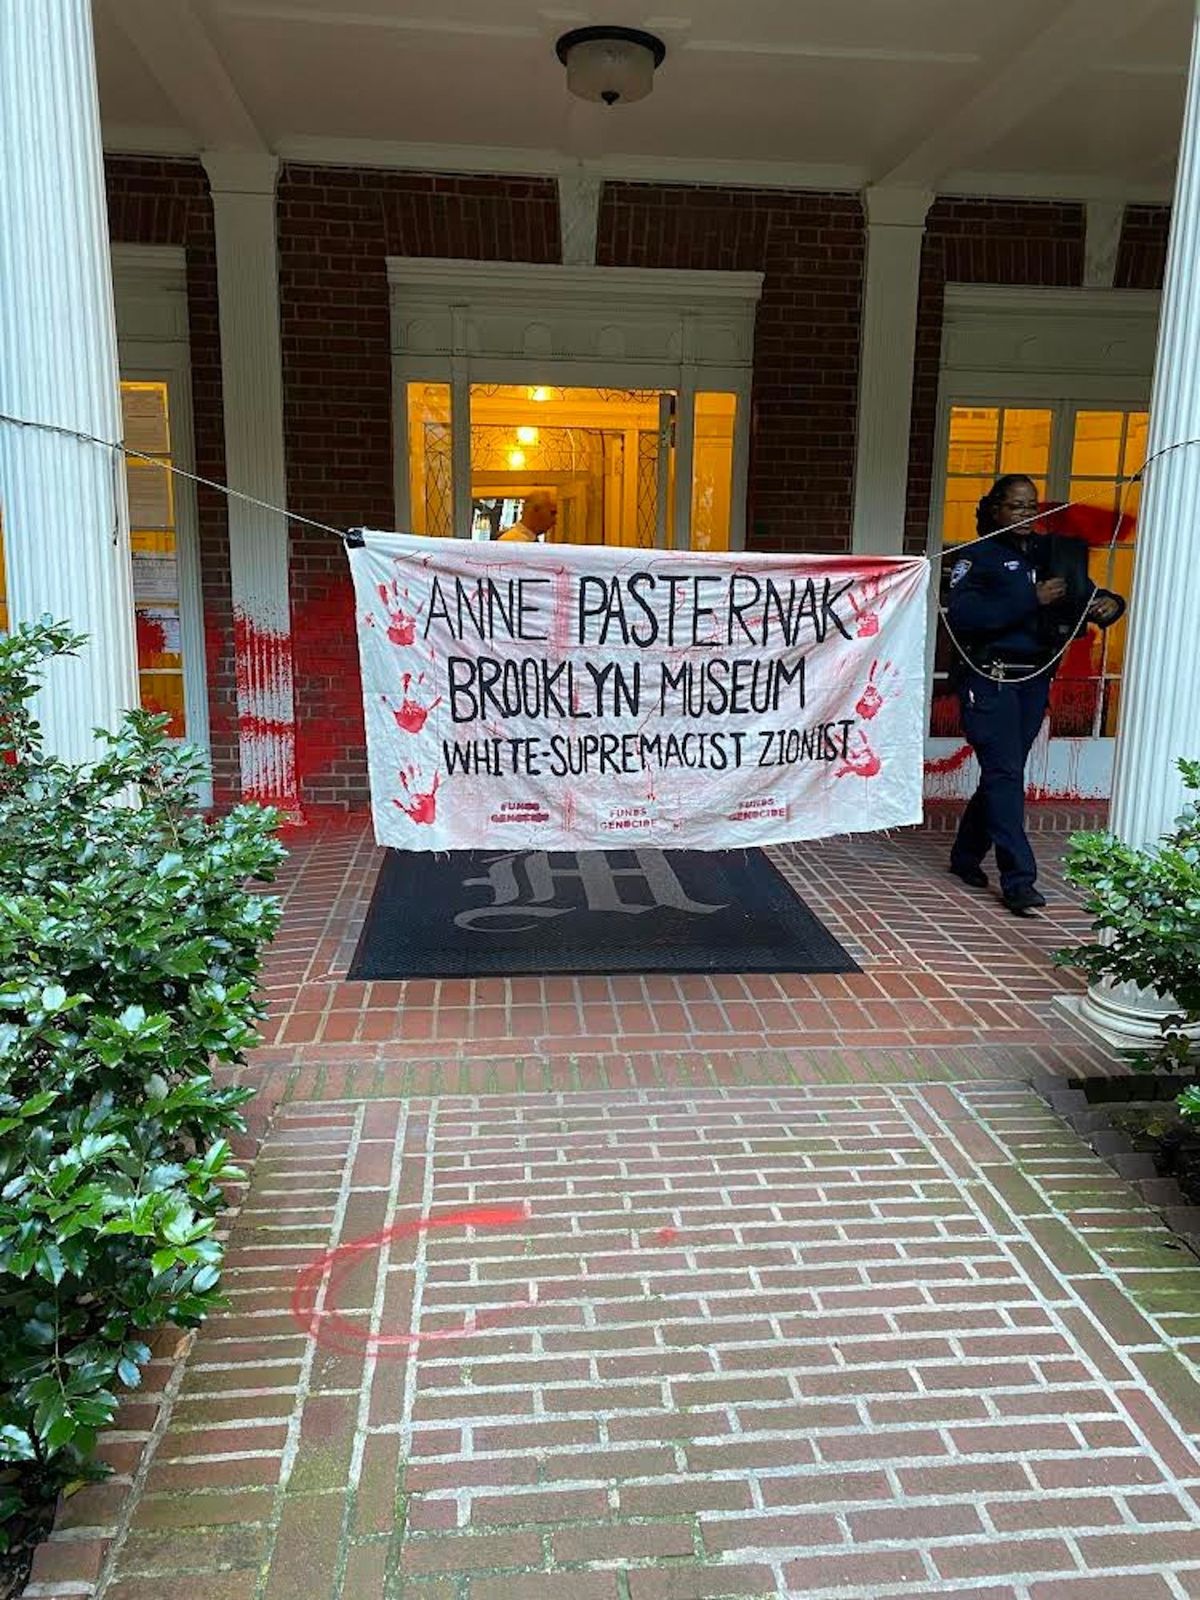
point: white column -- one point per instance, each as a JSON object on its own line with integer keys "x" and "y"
{"x": 895, "y": 230}
{"x": 66, "y": 521}
{"x": 1160, "y": 705}
{"x": 243, "y": 191}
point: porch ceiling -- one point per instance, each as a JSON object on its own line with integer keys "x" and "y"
{"x": 1073, "y": 98}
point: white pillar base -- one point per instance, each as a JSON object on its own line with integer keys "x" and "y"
{"x": 1120, "y": 1018}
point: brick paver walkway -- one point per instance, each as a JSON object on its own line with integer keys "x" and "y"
{"x": 868, "y": 1341}
{"x": 952, "y": 986}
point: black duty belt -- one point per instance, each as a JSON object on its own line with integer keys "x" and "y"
{"x": 1004, "y": 671}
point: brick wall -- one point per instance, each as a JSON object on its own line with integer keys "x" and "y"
{"x": 336, "y": 229}
{"x": 167, "y": 203}
{"x": 811, "y": 249}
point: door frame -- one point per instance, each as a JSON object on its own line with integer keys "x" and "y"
{"x": 1062, "y": 350}
{"x": 153, "y": 346}
{"x": 572, "y": 327}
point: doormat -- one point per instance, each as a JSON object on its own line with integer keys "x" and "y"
{"x": 474, "y": 914}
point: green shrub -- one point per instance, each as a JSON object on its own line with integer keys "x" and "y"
{"x": 129, "y": 949}
{"x": 1145, "y": 905}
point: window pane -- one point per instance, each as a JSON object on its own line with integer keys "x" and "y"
{"x": 153, "y": 552}
{"x": 1096, "y": 451}
{"x": 144, "y": 409}
{"x": 974, "y": 440}
{"x": 1099, "y": 496}
{"x": 594, "y": 452}
{"x": 1135, "y": 442}
{"x": 430, "y": 464}
{"x": 962, "y": 497}
{"x": 1026, "y": 443}
{"x": 712, "y": 471}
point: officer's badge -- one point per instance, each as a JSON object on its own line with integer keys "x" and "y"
{"x": 958, "y": 572}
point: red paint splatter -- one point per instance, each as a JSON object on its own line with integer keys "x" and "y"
{"x": 151, "y": 637}
{"x": 421, "y": 805}
{"x": 1093, "y": 524}
{"x": 412, "y": 715}
{"x": 951, "y": 763}
{"x": 866, "y": 611}
{"x": 861, "y": 760}
{"x": 329, "y": 1328}
{"x": 402, "y": 624}
{"x": 879, "y": 679}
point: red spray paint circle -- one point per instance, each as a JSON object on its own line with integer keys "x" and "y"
{"x": 329, "y": 1328}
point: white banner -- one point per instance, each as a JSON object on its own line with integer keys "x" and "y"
{"x": 563, "y": 697}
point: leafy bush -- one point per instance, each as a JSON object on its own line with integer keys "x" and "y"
{"x": 129, "y": 949}
{"x": 1145, "y": 905}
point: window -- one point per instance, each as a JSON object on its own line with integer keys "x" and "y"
{"x": 1074, "y": 454}
{"x": 153, "y": 552}
{"x": 984, "y": 441}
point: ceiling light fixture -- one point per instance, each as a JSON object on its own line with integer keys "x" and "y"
{"x": 527, "y": 436}
{"x": 610, "y": 65}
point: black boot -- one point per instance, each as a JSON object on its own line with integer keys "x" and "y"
{"x": 973, "y": 877}
{"x": 1022, "y": 901}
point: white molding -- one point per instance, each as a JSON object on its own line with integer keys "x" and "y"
{"x": 490, "y": 279}
{"x": 1084, "y": 301}
{"x": 168, "y": 144}
{"x": 243, "y": 172}
{"x": 136, "y": 260}
{"x": 514, "y": 161}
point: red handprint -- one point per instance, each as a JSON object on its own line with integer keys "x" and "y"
{"x": 861, "y": 761}
{"x": 420, "y": 804}
{"x": 402, "y": 623}
{"x": 866, "y": 613}
{"x": 879, "y": 679}
{"x": 411, "y": 715}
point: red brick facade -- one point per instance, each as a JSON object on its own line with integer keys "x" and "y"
{"x": 338, "y": 226}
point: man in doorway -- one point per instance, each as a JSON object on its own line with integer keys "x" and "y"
{"x": 538, "y": 516}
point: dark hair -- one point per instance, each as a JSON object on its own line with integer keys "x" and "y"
{"x": 983, "y": 511}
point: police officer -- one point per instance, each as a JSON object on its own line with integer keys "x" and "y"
{"x": 1009, "y": 611}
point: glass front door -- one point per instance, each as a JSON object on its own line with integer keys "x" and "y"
{"x": 155, "y": 556}
{"x": 1079, "y": 455}
{"x": 607, "y": 458}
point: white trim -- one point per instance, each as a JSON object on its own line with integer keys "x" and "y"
{"x": 477, "y": 322}
{"x": 1004, "y": 297}
{"x": 153, "y": 278}
{"x": 887, "y": 349}
{"x": 970, "y": 184}
{"x": 171, "y": 364}
{"x": 451, "y": 279}
{"x": 511, "y": 161}
{"x": 133, "y": 261}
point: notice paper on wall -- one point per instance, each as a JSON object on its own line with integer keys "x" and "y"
{"x": 560, "y": 697}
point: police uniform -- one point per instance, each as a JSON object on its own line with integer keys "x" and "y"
{"x": 993, "y": 612}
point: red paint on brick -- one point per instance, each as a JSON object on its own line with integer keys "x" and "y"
{"x": 951, "y": 763}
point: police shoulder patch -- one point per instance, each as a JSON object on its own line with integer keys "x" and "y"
{"x": 959, "y": 571}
